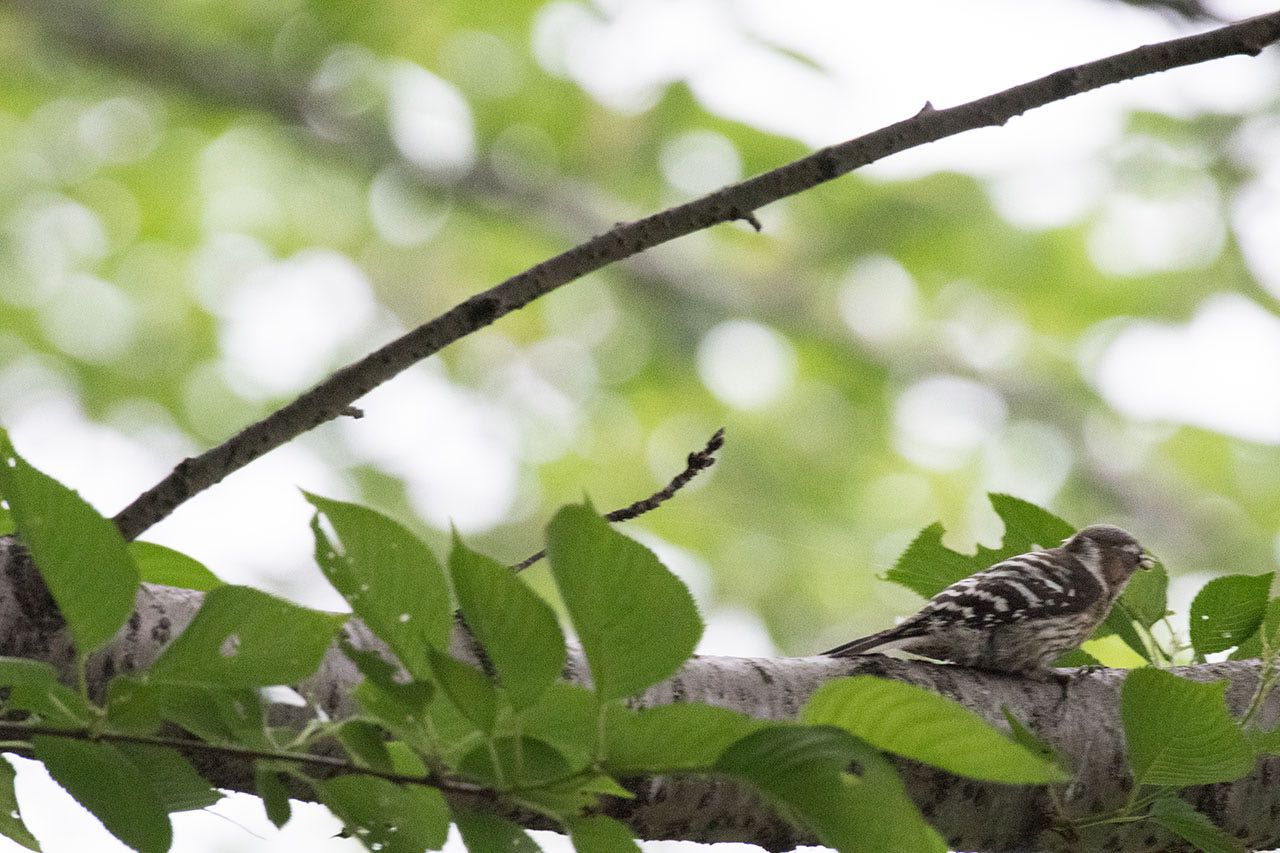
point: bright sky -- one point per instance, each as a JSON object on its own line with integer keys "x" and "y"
{"x": 879, "y": 62}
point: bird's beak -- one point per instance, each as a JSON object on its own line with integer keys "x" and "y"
{"x": 1146, "y": 562}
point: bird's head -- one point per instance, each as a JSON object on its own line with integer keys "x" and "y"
{"x": 1113, "y": 551}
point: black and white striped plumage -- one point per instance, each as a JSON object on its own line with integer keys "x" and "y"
{"x": 1022, "y": 613}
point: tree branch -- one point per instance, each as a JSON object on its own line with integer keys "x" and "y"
{"x": 1078, "y": 716}
{"x": 697, "y": 461}
{"x": 332, "y": 396}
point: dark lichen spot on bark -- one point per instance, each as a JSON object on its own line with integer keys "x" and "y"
{"x": 481, "y": 310}
{"x": 762, "y": 672}
{"x": 828, "y": 167}
{"x": 875, "y": 665}
{"x": 160, "y": 633}
{"x": 980, "y": 797}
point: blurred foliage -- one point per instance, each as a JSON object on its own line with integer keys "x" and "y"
{"x": 153, "y": 155}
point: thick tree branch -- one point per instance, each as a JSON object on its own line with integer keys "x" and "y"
{"x": 1079, "y": 717}
{"x": 330, "y": 398}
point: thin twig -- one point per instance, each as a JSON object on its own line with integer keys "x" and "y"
{"x": 24, "y": 732}
{"x": 330, "y": 398}
{"x": 696, "y": 462}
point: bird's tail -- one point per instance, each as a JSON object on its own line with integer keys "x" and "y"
{"x": 889, "y": 636}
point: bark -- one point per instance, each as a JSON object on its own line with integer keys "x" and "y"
{"x": 1078, "y": 715}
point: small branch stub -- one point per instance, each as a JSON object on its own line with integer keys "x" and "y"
{"x": 748, "y": 217}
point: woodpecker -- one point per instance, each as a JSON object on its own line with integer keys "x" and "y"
{"x": 1021, "y": 614}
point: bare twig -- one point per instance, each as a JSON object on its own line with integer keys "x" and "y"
{"x": 696, "y": 461}
{"x": 327, "y": 400}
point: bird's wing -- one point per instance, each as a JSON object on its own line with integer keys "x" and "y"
{"x": 1039, "y": 583}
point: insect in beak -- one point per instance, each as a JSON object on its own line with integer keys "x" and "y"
{"x": 1146, "y": 562}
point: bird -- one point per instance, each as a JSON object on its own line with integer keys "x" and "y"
{"x": 1023, "y": 613}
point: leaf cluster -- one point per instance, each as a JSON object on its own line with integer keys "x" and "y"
{"x": 499, "y": 723}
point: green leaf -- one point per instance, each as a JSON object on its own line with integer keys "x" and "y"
{"x": 108, "y": 784}
{"x": 450, "y": 734}
{"x": 486, "y": 833}
{"x": 209, "y": 713}
{"x": 6, "y": 518}
{"x": 158, "y": 564}
{"x": 568, "y": 717}
{"x": 34, "y": 686}
{"x": 1120, "y": 623}
{"x": 571, "y": 796}
{"x": 172, "y": 777}
{"x": 1076, "y": 658}
{"x": 1227, "y": 610}
{"x": 804, "y": 769}
{"x": 81, "y": 555}
{"x": 1179, "y": 732}
{"x": 670, "y": 737}
{"x": 915, "y": 723}
{"x": 1031, "y": 742}
{"x": 1146, "y": 597}
{"x": 1178, "y": 816}
{"x": 385, "y": 816}
{"x": 1027, "y": 527}
{"x": 404, "y": 760}
{"x": 412, "y": 695}
{"x": 531, "y": 764}
{"x": 518, "y": 630}
{"x": 243, "y": 637}
{"x": 468, "y": 689}
{"x": 637, "y": 622}
{"x": 600, "y": 834}
{"x": 1264, "y": 741}
{"x": 366, "y": 743}
{"x": 928, "y": 566}
{"x": 11, "y": 824}
{"x": 274, "y": 795}
{"x": 401, "y": 708}
{"x": 1112, "y": 652}
{"x": 1251, "y": 647}
{"x": 389, "y": 577}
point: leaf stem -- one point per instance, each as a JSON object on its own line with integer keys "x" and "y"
{"x": 1267, "y": 677}
{"x": 497, "y": 763}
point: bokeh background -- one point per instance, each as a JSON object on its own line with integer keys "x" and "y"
{"x": 206, "y": 206}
